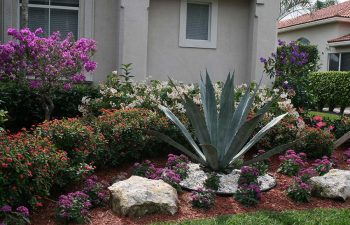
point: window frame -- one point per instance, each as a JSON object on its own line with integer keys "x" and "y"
{"x": 49, "y": 6}
{"x": 340, "y": 60}
{"x": 213, "y": 25}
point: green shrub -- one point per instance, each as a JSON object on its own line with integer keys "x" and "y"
{"x": 330, "y": 89}
{"x": 125, "y": 132}
{"x": 24, "y": 108}
{"x": 316, "y": 143}
{"x": 29, "y": 167}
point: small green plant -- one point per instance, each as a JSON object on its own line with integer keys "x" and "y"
{"x": 299, "y": 191}
{"x": 212, "y": 182}
{"x": 126, "y": 68}
{"x": 203, "y": 199}
{"x": 248, "y": 194}
{"x": 3, "y": 118}
{"x": 224, "y": 135}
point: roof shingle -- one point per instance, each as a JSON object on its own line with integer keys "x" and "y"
{"x": 340, "y": 39}
{"x": 339, "y": 10}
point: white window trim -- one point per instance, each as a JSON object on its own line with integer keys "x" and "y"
{"x": 213, "y": 25}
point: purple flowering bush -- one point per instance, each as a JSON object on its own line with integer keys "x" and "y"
{"x": 179, "y": 164}
{"x": 45, "y": 63}
{"x": 204, "y": 199}
{"x": 147, "y": 169}
{"x": 261, "y": 166}
{"x": 96, "y": 190}
{"x": 18, "y": 216}
{"x": 248, "y": 175}
{"x": 290, "y": 66}
{"x": 307, "y": 173}
{"x": 299, "y": 191}
{"x": 322, "y": 166}
{"x": 171, "y": 177}
{"x": 292, "y": 163}
{"x": 73, "y": 207}
{"x": 248, "y": 194}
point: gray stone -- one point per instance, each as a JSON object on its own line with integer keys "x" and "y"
{"x": 228, "y": 182}
{"x": 335, "y": 184}
{"x": 138, "y": 196}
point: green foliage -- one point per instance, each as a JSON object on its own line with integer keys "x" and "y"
{"x": 3, "y": 118}
{"x": 330, "y": 89}
{"x": 316, "y": 143}
{"x": 212, "y": 182}
{"x": 29, "y": 165}
{"x": 24, "y": 109}
{"x": 223, "y": 136}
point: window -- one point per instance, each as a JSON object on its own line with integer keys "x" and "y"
{"x": 339, "y": 61}
{"x": 198, "y": 23}
{"x": 303, "y": 41}
{"x": 54, "y": 15}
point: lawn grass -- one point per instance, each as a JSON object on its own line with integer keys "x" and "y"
{"x": 329, "y": 116}
{"x": 308, "y": 217}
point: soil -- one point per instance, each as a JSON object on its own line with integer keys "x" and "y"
{"x": 273, "y": 200}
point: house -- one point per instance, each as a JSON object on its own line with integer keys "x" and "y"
{"x": 177, "y": 38}
{"x": 329, "y": 29}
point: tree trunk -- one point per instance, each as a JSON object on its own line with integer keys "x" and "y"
{"x": 24, "y": 14}
{"x": 48, "y": 107}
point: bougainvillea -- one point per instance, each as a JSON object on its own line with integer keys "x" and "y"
{"x": 43, "y": 63}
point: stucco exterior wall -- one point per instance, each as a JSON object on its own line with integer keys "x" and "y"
{"x": 319, "y": 35}
{"x": 166, "y": 58}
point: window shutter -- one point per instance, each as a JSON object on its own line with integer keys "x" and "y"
{"x": 64, "y": 21}
{"x": 197, "y": 24}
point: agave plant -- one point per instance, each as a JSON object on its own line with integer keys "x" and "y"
{"x": 223, "y": 136}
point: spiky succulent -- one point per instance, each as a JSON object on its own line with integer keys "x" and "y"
{"x": 223, "y": 136}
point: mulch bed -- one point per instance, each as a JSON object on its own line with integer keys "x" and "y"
{"x": 273, "y": 200}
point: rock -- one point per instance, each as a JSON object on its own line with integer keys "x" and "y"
{"x": 228, "y": 182}
{"x": 138, "y": 196}
{"x": 335, "y": 184}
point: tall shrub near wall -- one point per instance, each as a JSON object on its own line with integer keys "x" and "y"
{"x": 330, "y": 89}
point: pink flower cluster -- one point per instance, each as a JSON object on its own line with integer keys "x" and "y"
{"x": 203, "y": 198}
{"x": 300, "y": 190}
{"x": 46, "y": 61}
{"x": 322, "y": 166}
{"x": 292, "y": 163}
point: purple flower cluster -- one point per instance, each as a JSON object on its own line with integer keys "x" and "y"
{"x": 19, "y": 216}
{"x": 147, "y": 169}
{"x": 47, "y": 61}
{"x": 171, "y": 177}
{"x": 178, "y": 164}
{"x": 248, "y": 175}
{"x": 203, "y": 199}
{"x": 96, "y": 190}
{"x": 292, "y": 163}
{"x": 322, "y": 166}
{"x": 248, "y": 194}
{"x": 300, "y": 190}
{"x": 73, "y": 207}
{"x": 307, "y": 173}
{"x": 261, "y": 166}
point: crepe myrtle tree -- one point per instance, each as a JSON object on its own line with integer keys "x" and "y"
{"x": 45, "y": 63}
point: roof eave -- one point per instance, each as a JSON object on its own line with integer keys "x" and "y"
{"x": 339, "y": 43}
{"x": 314, "y": 23}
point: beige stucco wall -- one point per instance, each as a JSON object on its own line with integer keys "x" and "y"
{"x": 166, "y": 58}
{"x": 319, "y": 35}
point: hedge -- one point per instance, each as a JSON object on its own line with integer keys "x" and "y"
{"x": 330, "y": 89}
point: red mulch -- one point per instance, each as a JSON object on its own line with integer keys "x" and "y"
{"x": 273, "y": 200}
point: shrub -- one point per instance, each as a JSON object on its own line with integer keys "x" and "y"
{"x": 322, "y": 166}
{"x": 299, "y": 191}
{"x": 341, "y": 126}
{"x": 203, "y": 199}
{"x": 292, "y": 163}
{"x": 179, "y": 164}
{"x": 262, "y": 166}
{"x": 307, "y": 173}
{"x": 248, "y": 194}
{"x": 171, "y": 177}
{"x": 148, "y": 170}
{"x": 30, "y": 165}
{"x": 3, "y": 118}
{"x": 14, "y": 217}
{"x": 125, "y": 133}
{"x": 73, "y": 207}
{"x": 331, "y": 88}
{"x": 212, "y": 182}
{"x": 96, "y": 190}
{"x": 316, "y": 142}
{"x": 248, "y": 175}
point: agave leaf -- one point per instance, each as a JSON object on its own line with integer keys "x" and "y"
{"x": 184, "y": 131}
{"x": 212, "y": 156}
{"x": 258, "y": 136}
{"x": 271, "y": 152}
{"x": 175, "y": 144}
{"x": 242, "y": 137}
{"x": 197, "y": 120}
{"x": 210, "y": 110}
{"x": 226, "y": 112}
